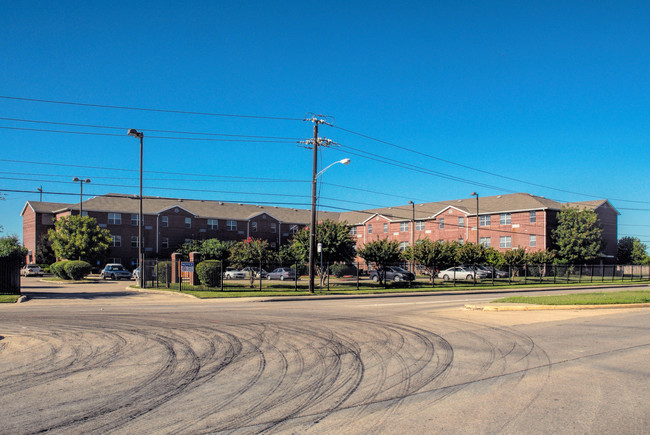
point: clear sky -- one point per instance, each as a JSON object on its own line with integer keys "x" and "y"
{"x": 550, "y": 98}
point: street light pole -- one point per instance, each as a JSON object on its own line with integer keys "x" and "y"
{"x": 138, "y": 134}
{"x": 412, "y": 236}
{"x": 81, "y": 193}
{"x": 478, "y": 224}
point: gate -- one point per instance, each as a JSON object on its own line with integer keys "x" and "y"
{"x": 9, "y": 276}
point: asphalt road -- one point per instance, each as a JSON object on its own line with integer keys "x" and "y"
{"x": 103, "y": 359}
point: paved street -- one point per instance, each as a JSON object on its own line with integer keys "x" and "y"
{"x": 100, "y": 358}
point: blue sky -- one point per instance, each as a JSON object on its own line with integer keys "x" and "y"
{"x": 463, "y": 96}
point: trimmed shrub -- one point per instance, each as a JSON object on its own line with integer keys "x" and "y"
{"x": 302, "y": 269}
{"x": 163, "y": 271}
{"x": 209, "y": 272}
{"x": 58, "y": 269}
{"x": 77, "y": 270}
{"x": 339, "y": 270}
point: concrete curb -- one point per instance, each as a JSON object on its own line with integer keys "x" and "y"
{"x": 22, "y": 299}
{"x": 552, "y": 307}
{"x": 161, "y": 292}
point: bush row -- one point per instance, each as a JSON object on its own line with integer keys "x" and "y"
{"x": 71, "y": 269}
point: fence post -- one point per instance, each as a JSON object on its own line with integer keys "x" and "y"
{"x": 295, "y": 282}
{"x": 357, "y": 275}
{"x": 580, "y": 275}
{"x": 525, "y": 274}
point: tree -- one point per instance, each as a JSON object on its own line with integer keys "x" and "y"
{"x": 381, "y": 253}
{"x": 251, "y": 252}
{"x": 470, "y": 253}
{"x": 515, "y": 256}
{"x": 10, "y": 247}
{"x": 215, "y": 249}
{"x": 187, "y": 247}
{"x": 44, "y": 252}
{"x": 77, "y": 237}
{"x": 337, "y": 244}
{"x": 578, "y": 237}
{"x": 494, "y": 258}
{"x": 630, "y": 250}
{"x": 435, "y": 255}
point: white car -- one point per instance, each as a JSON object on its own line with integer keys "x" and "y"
{"x": 461, "y": 273}
{"x": 232, "y": 273}
{"x": 31, "y": 270}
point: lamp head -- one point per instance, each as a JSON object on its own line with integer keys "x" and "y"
{"x": 76, "y": 179}
{"x": 87, "y": 180}
{"x": 411, "y": 202}
{"x": 135, "y": 133}
{"x": 345, "y": 161}
{"x": 473, "y": 194}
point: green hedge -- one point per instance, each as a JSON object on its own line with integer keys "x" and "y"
{"x": 77, "y": 270}
{"x": 57, "y": 269}
{"x": 209, "y": 272}
{"x": 339, "y": 270}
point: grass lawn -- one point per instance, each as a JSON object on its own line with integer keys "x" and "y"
{"x": 604, "y": 298}
{"x": 8, "y": 299}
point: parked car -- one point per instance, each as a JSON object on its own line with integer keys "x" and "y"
{"x": 114, "y": 271}
{"x": 232, "y": 273}
{"x": 392, "y": 273}
{"x": 487, "y": 270}
{"x": 136, "y": 274}
{"x": 255, "y": 270}
{"x": 461, "y": 273}
{"x": 31, "y": 270}
{"x": 501, "y": 273}
{"x": 282, "y": 273}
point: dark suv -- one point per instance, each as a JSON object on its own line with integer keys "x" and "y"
{"x": 392, "y": 273}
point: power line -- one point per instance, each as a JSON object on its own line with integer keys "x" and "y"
{"x": 145, "y": 109}
{"x": 146, "y": 129}
{"x": 91, "y": 133}
{"x": 481, "y": 170}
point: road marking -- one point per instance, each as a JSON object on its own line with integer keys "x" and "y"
{"x": 428, "y": 303}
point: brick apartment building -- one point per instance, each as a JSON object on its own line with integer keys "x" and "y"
{"x": 504, "y": 222}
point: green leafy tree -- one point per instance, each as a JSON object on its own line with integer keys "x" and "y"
{"x": 630, "y": 250}
{"x": 470, "y": 253}
{"x": 338, "y": 245}
{"x": 44, "y": 252}
{"x": 540, "y": 259}
{"x": 187, "y": 247}
{"x": 578, "y": 237}
{"x": 77, "y": 237}
{"x": 381, "y": 253}
{"x": 515, "y": 256}
{"x": 251, "y": 252}
{"x": 10, "y": 247}
{"x": 494, "y": 258}
{"x": 434, "y": 254}
{"x": 215, "y": 249}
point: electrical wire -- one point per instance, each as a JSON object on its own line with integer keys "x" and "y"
{"x": 145, "y": 109}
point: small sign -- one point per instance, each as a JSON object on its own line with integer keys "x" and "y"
{"x": 319, "y": 247}
{"x": 187, "y": 266}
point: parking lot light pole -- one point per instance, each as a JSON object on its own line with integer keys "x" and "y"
{"x": 412, "y": 237}
{"x": 138, "y": 134}
{"x": 81, "y": 193}
{"x": 312, "y": 226}
{"x": 478, "y": 224}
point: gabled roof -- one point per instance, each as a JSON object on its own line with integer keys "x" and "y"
{"x": 592, "y": 205}
{"x": 44, "y": 207}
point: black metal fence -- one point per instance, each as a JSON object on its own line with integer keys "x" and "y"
{"x": 294, "y": 276}
{"x": 9, "y": 276}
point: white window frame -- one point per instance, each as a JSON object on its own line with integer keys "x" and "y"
{"x": 213, "y": 224}
{"x": 505, "y": 219}
{"x": 164, "y": 243}
{"x": 369, "y": 229}
{"x": 461, "y": 222}
{"x": 385, "y": 226}
{"x": 485, "y": 241}
{"x": 403, "y": 246}
{"x": 274, "y": 227}
{"x": 164, "y": 221}
{"x": 532, "y": 240}
{"x": 254, "y": 227}
{"x": 485, "y": 220}
{"x": 505, "y": 242}
{"x": 532, "y": 217}
{"x": 419, "y": 225}
{"x": 231, "y": 225}
{"x": 117, "y": 241}
{"x": 135, "y": 243}
{"x": 134, "y": 219}
{"x": 293, "y": 229}
{"x": 188, "y": 222}
{"x": 115, "y": 218}
{"x": 353, "y": 231}
{"x": 403, "y": 227}
{"x": 441, "y": 224}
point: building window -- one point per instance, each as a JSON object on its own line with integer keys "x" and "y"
{"x": 441, "y": 224}
{"x": 135, "y": 219}
{"x": 485, "y": 221}
{"x": 461, "y": 241}
{"x": 164, "y": 220}
{"x": 213, "y": 224}
{"x": 532, "y": 242}
{"x": 369, "y": 228}
{"x": 353, "y": 231}
{"x": 403, "y": 227}
{"x": 293, "y": 229}
{"x": 485, "y": 241}
{"x": 187, "y": 241}
{"x": 114, "y": 219}
{"x": 84, "y": 213}
{"x": 274, "y": 227}
{"x": 461, "y": 222}
{"x": 254, "y": 227}
{"x": 403, "y": 246}
{"x": 385, "y": 228}
{"x": 134, "y": 241}
{"x": 533, "y": 217}
{"x": 419, "y": 226}
{"x": 117, "y": 241}
{"x": 504, "y": 219}
{"x": 165, "y": 243}
{"x": 188, "y": 222}
{"x": 505, "y": 242}
{"x": 231, "y": 225}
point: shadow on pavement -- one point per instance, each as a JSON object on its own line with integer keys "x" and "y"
{"x": 77, "y": 295}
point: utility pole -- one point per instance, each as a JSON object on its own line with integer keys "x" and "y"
{"x": 315, "y": 142}
{"x": 40, "y": 189}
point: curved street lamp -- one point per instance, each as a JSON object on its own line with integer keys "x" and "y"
{"x": 312, "y": 226}
{"x": 139, "y": 135}
{"x": 81, "y": 193}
